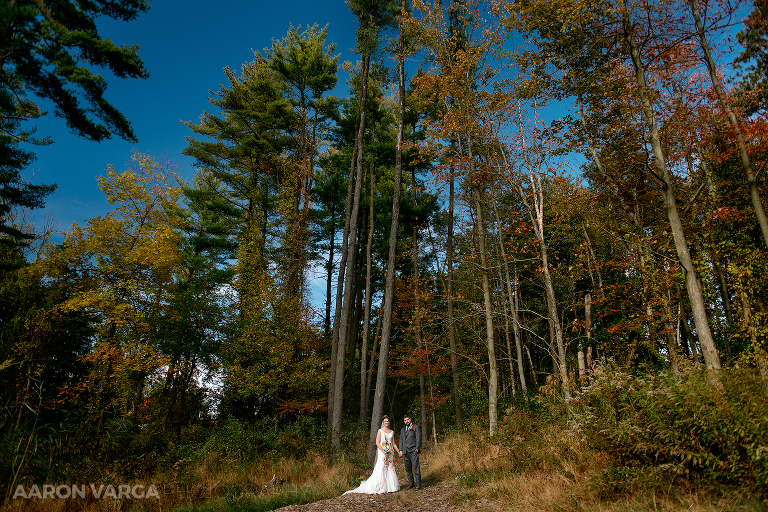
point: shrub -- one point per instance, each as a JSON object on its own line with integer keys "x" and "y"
{"x": 678, "y": 424}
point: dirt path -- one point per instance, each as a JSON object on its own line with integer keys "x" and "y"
{"x": 431, "y": 498}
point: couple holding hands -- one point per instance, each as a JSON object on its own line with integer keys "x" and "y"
{"x": 384, "y": 478}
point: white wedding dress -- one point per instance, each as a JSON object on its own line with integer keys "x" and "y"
{"x": 383, "y": 478}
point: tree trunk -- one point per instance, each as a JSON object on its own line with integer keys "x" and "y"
{"x": 587, "y": 326}
{"x": 754, "y": 193}
{"x": 449, "y": 298}
{"x": 389, "y": 287}
{"x": 594, "y": 258}
{"x": 553, "y": 351}
{"x": 488, "y": 303}
{"x": 685, "y": 330}
{"x": 761, "y": 355}
{"x": 329, "y": 284}
{"x": 722, "y": 285}
{"x": 492, "y": 371}
{"x": 717, "y": 265}
{"x": 533, "y": 368}
{"x": 513, "y": 308}
{"x": 347, "y": 309}
{"x": 357, "y": 313}
{"x": 692, "y": 283}
{"x": 367, "y": 319}
{"x": 506, "y": 383}
{"x": 297, "y": 235}
{"x": 536, "y": 214}
{"x": 588, "y": 329}
{"x": 340, "y": 289}
{"x": 673, "y": 341}
{"x": 417, "y": 315}
{"x": 369, "y": 377}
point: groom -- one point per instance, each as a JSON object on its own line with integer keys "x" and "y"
{"x": 410, "y": 445}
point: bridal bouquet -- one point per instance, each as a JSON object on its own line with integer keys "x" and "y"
{"x": 388, "y": 448}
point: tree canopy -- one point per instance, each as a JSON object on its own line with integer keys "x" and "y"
{"x": 49, "y": 51}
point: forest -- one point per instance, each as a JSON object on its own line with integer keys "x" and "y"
{"x": 536, "y": 226}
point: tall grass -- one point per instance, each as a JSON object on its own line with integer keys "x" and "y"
{"x": 209, "y": 485}
{"x": 238, "y": 466}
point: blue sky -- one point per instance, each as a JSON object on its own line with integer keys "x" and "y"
{"x": 185, "y": 44}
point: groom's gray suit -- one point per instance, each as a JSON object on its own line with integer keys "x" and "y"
{"x": 410, "y": 445}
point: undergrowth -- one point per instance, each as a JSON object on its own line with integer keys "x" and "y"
{"x": 663, "y": 428}
{"x": 624, "y": 442}
{"x": 237, "y": 466}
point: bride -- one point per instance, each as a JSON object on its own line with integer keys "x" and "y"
{"x": 383, "y": 478}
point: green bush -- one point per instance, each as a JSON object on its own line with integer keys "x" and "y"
{"x": 678, "y": 425}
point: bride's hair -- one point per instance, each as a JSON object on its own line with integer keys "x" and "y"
{"x": 385, "y": 417}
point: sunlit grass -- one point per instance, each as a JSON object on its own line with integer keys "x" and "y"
{"x": 219, "y": 485}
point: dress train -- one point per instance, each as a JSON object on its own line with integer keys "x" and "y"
{"x": 383, "y": 478}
